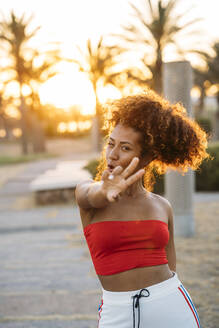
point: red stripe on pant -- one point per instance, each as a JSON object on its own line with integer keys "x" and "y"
{"x": 100, "y": 309}
{"x": 189, "y": 306}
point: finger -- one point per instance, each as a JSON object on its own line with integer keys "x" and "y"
{"x": 117, "y": 170}
{"x": 133, "y": 178}
{"x": 130, "y": 168}
{"x": 105, "y": 175}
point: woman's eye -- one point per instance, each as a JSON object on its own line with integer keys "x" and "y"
{"x": 125, "y": 148}
{"x": 110, "y": 144}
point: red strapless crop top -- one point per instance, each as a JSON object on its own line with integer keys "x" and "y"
{"x": 117, "y": 246}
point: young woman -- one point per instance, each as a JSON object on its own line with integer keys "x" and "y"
{"x": 130, "y": 230}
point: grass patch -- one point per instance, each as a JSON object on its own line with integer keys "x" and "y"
{"x": 7, "y": 160}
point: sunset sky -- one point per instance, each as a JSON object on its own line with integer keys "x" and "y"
{"x": 72, "y": 22}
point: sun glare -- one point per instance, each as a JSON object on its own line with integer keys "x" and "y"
{"x": 73, "y": 88}
{"x": 67, "y": 89}
{"x": 108, "y": 92}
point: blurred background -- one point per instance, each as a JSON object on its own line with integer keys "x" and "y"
{"x": 59, "y": 62}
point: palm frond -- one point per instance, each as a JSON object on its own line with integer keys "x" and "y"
{"x": 170, "y": 6}
{"x": 175, "y": 20}
{"x": 192, "y": 22}
{"x": 153, "y": 15}
{"x": 5, "y": 38}
{"x": 33, "y": 33}
{"x": 139, "y": 14}
{"x": 135, "y": 35}
{"x": 89, "y": 47}
{"x": 100, "y": 42}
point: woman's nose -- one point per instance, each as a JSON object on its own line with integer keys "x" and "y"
{"x": 114, "y": 154}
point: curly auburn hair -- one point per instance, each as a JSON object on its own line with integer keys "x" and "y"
{"x": 173, "y": 139}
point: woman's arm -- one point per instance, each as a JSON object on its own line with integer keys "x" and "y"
{"x": 90, "y": 194}
{"x": 170, "y": 248}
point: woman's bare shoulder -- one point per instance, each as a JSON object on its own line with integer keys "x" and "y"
{"x": 163, "y": 202}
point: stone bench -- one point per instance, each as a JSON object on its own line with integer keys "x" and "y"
{"x": 58, "y": 185}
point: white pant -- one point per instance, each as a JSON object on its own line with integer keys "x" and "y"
{"x": 164, "y": 305}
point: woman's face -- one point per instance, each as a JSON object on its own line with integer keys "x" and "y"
{"x": 123, "y": 145}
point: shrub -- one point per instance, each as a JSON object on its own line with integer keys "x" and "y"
{"x": 205, "y": 123}
{"x": 92, "y": 167}
{"x": 207, "y": 177}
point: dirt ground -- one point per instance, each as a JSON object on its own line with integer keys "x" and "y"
{"x": 197, "y": 257}
{"x": 198, "y": 265}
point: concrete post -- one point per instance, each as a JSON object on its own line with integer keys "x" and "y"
{"x": 95, "y": 134}
{"x": 179, "y": 190}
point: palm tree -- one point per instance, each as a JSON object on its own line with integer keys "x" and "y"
{"x": 34, "y": 76}
{"x": 14, "y": 35}
{"x": 213, "y": 77}
{"x": 200, "y": 78}
{"x": 155, "y": 34}
{"x": 99, "y": 62}
{"x": 213, "y": 64}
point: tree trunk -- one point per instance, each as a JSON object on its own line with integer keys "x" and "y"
{"x": 37, "y": 134}
{"x": 8, "y": 133}
{"x": 96, "y": 127}
{"x": 201, "y": 102}
{"x": 23, "y": 111}
{"x": 158, "y": 72}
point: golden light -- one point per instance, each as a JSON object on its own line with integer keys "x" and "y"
{"x": 68, "y": 89}
{"x": 84, "y": 125}
{"x": 38, "y": 61}
{"x": 195, "y": 92}
{"x": 133, "y": 89}
{"x": 108, "y": 92}
{"x": 62, "y": 127}
{"x": 12, "y": 89}
{"x": 12, "y": 111}
{"x": 2, "y": 133}
{"x": 72, "y": 126}
{"x": 1, "y": 86}
{"x": 26, "y": 90}
{"x": 87, "y": 125}
{"x": 212, "y": 90}
{"x": 17, "y": 132}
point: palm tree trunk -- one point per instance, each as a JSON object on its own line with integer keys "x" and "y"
{"x": 96, "y": 126}
{"x": 5, "y": 126}
{"x": 24, "y": 138}
{"x": 201, "y": 101}
{"x": 37, "y": 134}
{"x": 158, "y": 71}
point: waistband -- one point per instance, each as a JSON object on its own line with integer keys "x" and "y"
{"x": 161, "y": 289}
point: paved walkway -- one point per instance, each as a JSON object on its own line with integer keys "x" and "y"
{"x": 46, "y": 277}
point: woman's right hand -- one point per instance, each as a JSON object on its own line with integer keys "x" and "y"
{"x": 116, "y": 182}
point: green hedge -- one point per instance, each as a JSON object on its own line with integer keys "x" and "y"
{"x": 206, "y": 178}
{"x": 205, "y": 123}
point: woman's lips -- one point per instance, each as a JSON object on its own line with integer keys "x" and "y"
{"x": 110, "y": 168}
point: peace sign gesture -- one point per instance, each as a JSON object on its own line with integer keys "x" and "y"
{"x": 115, "y": 183}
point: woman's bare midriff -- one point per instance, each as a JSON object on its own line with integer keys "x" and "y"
{"x": 137, "y": 278}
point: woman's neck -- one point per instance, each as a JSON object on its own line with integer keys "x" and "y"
{"x": 136, "y": 189}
